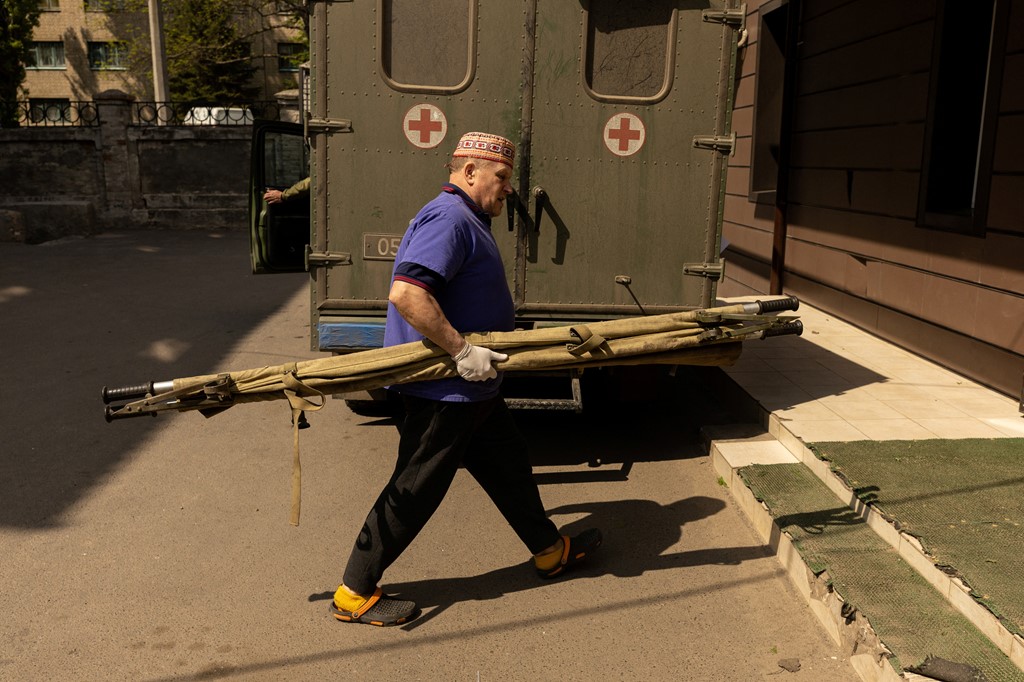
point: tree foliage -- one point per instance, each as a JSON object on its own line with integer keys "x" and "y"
{"x": 207, "y": 57}
{"x": 207, "y": 43}
{"x": 17, "y": 20}
{"x": 290, "y": 13}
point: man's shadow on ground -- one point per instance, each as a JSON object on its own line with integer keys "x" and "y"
{"x": 637, "y": 533}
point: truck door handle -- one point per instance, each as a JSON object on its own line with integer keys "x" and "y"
{"x": 513, "y": 202}
{"x": 540, "y": 200}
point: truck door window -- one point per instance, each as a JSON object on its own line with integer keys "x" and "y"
{"x": 629, "y": 51}
{"x": 427, "y": 46}
{"x": 284, "y": 160}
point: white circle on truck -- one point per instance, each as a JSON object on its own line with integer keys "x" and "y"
{"x": 624, "y": 134}
{"x": 425, "y": 126}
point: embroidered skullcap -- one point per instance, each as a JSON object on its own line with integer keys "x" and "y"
{"x": 486, "y": 146}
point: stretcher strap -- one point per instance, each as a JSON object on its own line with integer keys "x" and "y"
{"x": 296, "y": 507}
{"x": 588, "y": 340}
{"x": 298, "y": 395}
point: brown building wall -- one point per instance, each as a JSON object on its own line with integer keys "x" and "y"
{"x": 75, "y": 27}
{"x": 853, "y": 246}
{"x": 269, "y": 77}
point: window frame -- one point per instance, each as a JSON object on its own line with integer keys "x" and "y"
{"x": 668, "y": 75}
{"x": 104, "y": 5}
{"x": 471, "y": 47}
{"x": 976, "y": 223}
{"x": 104, "y": 65}
{"x": 775, "y": 124}
{"x": 36, "y": 44}
{"x": 293, "y": 67}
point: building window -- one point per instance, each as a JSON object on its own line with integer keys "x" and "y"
{"x": 105, "y": 5}
{"x": 49, "y": 110}
{"x": 428, "y": 47}
{"x": 46, "y": 55}
{"x": 108, "y": 56}
{"x": 769, "y": 95}
{"x": 629, "y": 50}
{"x": 962, "y": 109}
{"x": 290, "y": 56}
{"x": 49, "y": 5}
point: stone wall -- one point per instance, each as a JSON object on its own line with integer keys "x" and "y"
{"x": 68, "y": 180}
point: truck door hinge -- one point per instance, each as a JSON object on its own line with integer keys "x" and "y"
{"x": 327, "y": 125}
{"x": 722, "y": 143}
{"x": 322, "y": 259}
{"x": 715, "y": 271}
{"x": 731, "y": 17}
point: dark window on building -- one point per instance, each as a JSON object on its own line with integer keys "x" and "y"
{"x": 629, "y": 49}
{"x": 46, "y": 55}
{"x": 961, "y": 115}
{"x": 49, "y": 110}
{"x": 766, "y": 144}
{"x": 49, "y": 5}
{"x": 290, "y": 56}
{"x": 105, "y": 5}
{"x": 108, "y": 56}
{"x": 428, "y": 46}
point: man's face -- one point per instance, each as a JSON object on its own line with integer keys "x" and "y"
{"x": 491, "y": 184}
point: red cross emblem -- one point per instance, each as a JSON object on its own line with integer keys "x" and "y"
{"x": 624, "y": 134}
{"x": 425, "y": 126}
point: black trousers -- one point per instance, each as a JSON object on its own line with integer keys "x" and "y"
{"x": 436, "y": 438}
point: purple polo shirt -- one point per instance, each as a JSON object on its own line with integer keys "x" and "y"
{"x": 451, "y": 237}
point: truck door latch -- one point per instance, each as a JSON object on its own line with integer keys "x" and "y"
{"x": 731, "y": 17}
{"x": 722, "y": 143}
{"x": 328, "y": 125}
{"x": 321, "y": 259}
{"x": 715, "y": 271}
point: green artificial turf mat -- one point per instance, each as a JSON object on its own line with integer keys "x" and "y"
{"x": 907, "y": 613}
{"x": 963, "y": 499}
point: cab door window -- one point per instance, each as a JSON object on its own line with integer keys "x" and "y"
{"x": 285, "y": 160}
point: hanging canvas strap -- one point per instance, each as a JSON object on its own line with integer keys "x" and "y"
{"x": 298, "y": 395}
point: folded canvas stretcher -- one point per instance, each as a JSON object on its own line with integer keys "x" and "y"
{"x": 710, "y": 336}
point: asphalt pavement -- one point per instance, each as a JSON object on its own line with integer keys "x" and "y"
{"x": 159, "y": 549}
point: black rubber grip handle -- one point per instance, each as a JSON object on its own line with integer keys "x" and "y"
{"x": 126, "y": 392}
{"x": 778, "y": 304}
{"x": 794, "y": 327}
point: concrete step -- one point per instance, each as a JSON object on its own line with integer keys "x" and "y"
{"x": 739, "y": 454}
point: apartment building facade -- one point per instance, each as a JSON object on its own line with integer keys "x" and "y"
{"x": 80, "y": 49}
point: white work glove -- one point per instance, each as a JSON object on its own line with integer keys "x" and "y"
{"x": 474, "y": 362}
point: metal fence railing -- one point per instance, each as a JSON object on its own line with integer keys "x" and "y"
{"x": 67, "y": 113}
{"x": 202, "y": 113}
{"x": 50, "y": 113}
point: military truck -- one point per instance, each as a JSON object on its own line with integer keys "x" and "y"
{"x": 621, "y": 114}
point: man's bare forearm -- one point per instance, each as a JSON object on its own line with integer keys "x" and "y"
{"x": 422, "y": 311}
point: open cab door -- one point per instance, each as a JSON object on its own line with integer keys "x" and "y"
{"x": 279, "y": 232}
